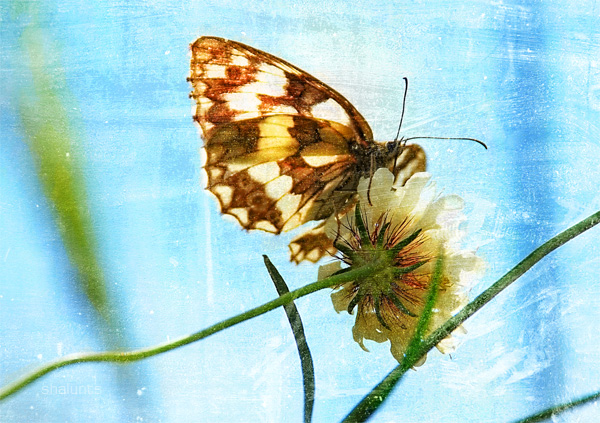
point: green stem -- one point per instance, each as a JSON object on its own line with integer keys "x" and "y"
{"x": 379, "y": 394}
{"x": 557, "y": 409}
{"x": 140, "y": 354}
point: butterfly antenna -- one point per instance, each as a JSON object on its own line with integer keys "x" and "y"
{"x": 403, "y": 108}
{"x": 405, "y": 140}
{"x": 398, "y": 150}
{"x": 449, "y": 138}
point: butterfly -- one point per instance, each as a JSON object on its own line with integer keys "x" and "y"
{"x": 283, "y": 148}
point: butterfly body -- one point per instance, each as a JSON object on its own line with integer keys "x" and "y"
{"x": 282, "y": 148}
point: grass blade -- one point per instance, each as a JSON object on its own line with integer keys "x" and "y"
{"x": 489, "y": 294}
{"x": 132, "y": 356}
{"x": 306, "y": 362}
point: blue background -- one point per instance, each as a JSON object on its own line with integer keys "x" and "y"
{"x": 522, "y": 76}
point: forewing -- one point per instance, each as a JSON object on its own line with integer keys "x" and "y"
{"x": 234, "y": 82}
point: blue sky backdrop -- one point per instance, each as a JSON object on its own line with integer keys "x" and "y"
{"x": 524, "y": 77}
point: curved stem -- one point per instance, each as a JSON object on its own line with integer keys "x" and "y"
{"x": 142, "y": 353}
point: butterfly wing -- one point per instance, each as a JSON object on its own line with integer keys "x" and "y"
{"x": 280, "y": 144}
{"x": 269, "y": 177}
{"x": 312, "y": 245}
{"x": 282, "y": 148}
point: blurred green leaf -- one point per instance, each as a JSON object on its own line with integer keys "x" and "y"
{"x": 53, "y": 141}
{"x": 49, "y": 119}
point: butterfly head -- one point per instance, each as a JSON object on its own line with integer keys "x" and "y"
{"x": 400, "y": 158}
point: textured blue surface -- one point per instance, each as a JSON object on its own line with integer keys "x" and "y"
{"x": 522, "y": 76}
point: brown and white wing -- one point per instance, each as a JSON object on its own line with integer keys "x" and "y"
{"x": 410, "y": 161}
{"x": 282, "y": 148}
{"x": 234, "y": 82}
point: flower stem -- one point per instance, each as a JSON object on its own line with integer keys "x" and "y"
{"x": 557, "y": 409}
{"x": 380, "y": 392}
{"x": 142, "y": 353}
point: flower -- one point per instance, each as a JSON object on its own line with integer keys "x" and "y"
{"x": 401, "y": 229}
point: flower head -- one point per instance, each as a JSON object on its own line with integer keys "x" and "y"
{"x": 400, "y": 230}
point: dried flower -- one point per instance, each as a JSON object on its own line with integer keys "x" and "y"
{"x": 402, "y": 229}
